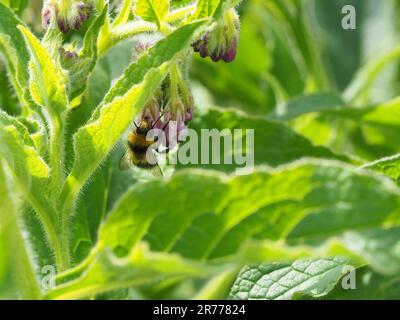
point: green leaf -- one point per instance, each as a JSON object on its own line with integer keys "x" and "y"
{"x": 46, "y": 82}
{"x": 17, "y": 5}
{"x": 99, "y": 83}
{"x": 13, "y": 49}
{"x": 275, "y": 281}
{"x": 124, "y": 14}
{"x": 218, "y": 287}
{"x": 369, "y": 132}
{"x": 269, "y": 137}
{"x": 380, "y": 247}
{"x": 90, "y": 211}
{"x": 369, "y": 286}
{"x": 247, "y": 217}
{"x": 8, "y": 101}
{"x": 152, "y": 10}
{"x": 30, "y": 173}
{"x": 389, "y": 166}
{"x": 207, "y": 8}
{"x": 306, "y": 104}
{"x": 17, "y": 273}
{"x": 108, "y": 272}
{"x": 48, "y": 90}
{"x": 21, "y": 269}
{"x": 360, "y": 87}
{"x": 243, "y": 207}
{"x": 164, "y": 51}
{"x": 80, "y": 71}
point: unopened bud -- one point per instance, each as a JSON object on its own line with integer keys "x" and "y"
{"x": 220, "y": 43}
{"x": 68, "y": 14}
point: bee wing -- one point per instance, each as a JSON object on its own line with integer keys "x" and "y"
{"x": 125, "y": 163}
{"x": 156, "y": 170}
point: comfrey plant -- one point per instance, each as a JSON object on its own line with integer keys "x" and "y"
{"x": 50, "y": 78}
{"x": 89, "y": 78}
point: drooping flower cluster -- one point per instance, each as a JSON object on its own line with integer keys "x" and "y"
{"x": 179, "y": 108}
{"x": 68, "y": 14}
{"x": 171, "y": 108}
{"x": 221, "y": 42}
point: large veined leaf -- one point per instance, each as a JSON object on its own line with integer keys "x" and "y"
{"x": 152, "y": 10}
{"x": 274, "y": 281}
{"x": 269, "y": 137}
{"x": 265, "y": 205}
{"x": 234, "y": 210}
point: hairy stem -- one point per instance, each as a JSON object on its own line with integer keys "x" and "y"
{"x": 111, "y": 37}
{"x": 56, "y": 156}
{"x": 179, "y": 14}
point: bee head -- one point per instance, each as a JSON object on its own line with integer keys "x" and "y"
{"x": 143, "y": 127}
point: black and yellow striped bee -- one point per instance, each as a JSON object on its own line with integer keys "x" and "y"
{"x": 139, "y": 151}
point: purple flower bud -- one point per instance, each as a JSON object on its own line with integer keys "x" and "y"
{"x": 68, "y": 58}
{"x": 221, "y": 42}
{"x": 217, "y": 56}
{"x": 230, "y": 55}
{"x": 63, "y": 26}
{"x": 189, "y": 114}
{"x": 67, "y": 17}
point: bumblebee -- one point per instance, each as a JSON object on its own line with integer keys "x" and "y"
{"x": 139, "y": 153}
